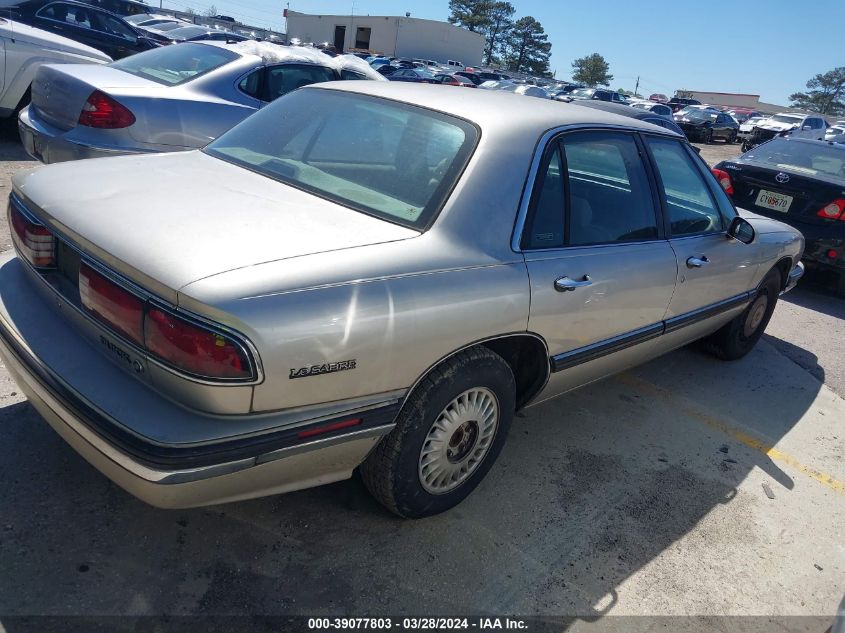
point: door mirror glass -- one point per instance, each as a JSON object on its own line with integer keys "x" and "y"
{"x": 741, "y": 230}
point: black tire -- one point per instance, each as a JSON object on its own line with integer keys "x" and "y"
{"x": 738, "y": 337}
{"x": 708, "y": 136}
{"x": 731, "y": 138}
{"x": 392, "y": 471}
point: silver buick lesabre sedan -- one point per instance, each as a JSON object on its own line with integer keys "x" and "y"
{"x": 371, "y": 275}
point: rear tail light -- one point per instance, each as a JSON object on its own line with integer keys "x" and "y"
{"x": 193, "y": 348}
{"x": 184, "y": 344}
{"x": 833, "y": 211}
{"x": 111, "y": 304}
{"x": 104, "y": 112}
{"x": 724, "y": 179}
{"x": 33, "y": 239}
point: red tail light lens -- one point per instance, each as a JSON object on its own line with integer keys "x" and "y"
{"x": 194, "y": 349}
{"x": 34, "y": 240}
{"x": 111, "y": 304}
{"x": 833, "y": 211}
{"x": 724, "y": 179}
{"x": 102, "y": 111}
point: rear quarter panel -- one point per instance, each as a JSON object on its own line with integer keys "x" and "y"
{"x": 393, "y": 327}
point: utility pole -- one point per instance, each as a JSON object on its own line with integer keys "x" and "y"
{"x": 637, "y": 86}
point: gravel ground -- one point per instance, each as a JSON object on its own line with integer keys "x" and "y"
{"x": 653, "y": 492}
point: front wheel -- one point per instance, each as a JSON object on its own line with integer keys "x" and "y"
{"x": 738, "y": 337}
{"x": 447, "y": 436}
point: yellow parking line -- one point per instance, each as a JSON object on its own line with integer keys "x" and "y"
{"x": 752, "y": 442}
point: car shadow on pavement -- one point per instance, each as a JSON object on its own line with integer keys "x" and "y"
{"x": 10, "y": 143}
{"x": 814, "y": 294}
{"x": 590, "y": 488}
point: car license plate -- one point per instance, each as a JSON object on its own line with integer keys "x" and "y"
{"x": 773, "y": 201}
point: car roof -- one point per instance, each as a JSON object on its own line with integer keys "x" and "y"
{"x": 485, "y": 107}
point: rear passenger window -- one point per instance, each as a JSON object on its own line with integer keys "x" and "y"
{"x": 609, "y": 196}
{"x": 689, "y": 202}
{"x": 545, "y": 224}
{"x": 251, "y": 84}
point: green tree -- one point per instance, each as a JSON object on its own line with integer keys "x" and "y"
{"x": 498, "y": 27}
{"x": 825, "y": 93}
{"x": 592, "y": 70}
{"x": 527, "y": 48}
{"x": 473, "y": 15}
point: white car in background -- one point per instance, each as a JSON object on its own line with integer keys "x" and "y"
{"x": 835, "y": 132}
{"x": 23, "y": 49}
{"x": 746, "y": 127}
{"x": 798, "y": 125}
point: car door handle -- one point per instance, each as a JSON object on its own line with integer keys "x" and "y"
{"x": 697, "y": 262}
{"x": 565, "y": 284}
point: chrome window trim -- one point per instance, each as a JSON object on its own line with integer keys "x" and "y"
{"x": 153, "y": 300}
{"x": 531, "y": 179}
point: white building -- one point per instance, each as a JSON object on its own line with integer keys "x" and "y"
{"x": 393, "y": 36}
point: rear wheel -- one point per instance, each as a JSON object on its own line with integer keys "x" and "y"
{"x": 738, "y": 337}
{"x": 447, "y": 436}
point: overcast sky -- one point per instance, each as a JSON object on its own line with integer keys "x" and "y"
{"x": 767, "y": 47}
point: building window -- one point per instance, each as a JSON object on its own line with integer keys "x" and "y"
{"x": 362, "y": 37}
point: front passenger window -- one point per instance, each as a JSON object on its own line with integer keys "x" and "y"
{"x": 689, "y": 203}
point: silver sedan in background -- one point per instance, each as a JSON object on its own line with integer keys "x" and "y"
{"x": 173, "y": 98}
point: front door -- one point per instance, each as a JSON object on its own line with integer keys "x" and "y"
{"x": 715, "y": 273}
{"x": 601, "y": 275}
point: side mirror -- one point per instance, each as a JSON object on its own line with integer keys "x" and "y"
{"x": 741, "y": 230}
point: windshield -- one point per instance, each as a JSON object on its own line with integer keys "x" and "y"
{"x": 782, "y": 118}
{"x": 174, "y": 65}
{"x": 583, "y": 92}
{"x": 384, "y": 158}
{"x": 812, "y": 159}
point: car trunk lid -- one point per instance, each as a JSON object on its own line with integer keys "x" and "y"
{"x": 808, "y": 194}
{"x": 60, "y": 91}
{"x": 166, "y": 220}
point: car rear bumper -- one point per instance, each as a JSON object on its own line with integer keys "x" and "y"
{"x": 168, "y": 475}
{"x": 50, "y": 145}
{"x": 824, "y": 244}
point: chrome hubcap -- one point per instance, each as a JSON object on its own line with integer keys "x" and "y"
{"x": 458, "y": 441}
{"x": 755, "y": 315}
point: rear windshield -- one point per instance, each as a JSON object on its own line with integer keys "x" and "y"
{"x": 812, "y": 159}
{"x": 175, "y": 64}
{"x": 384, "y": 158}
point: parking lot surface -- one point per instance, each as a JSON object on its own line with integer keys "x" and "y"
{"x": 688, "y": 486}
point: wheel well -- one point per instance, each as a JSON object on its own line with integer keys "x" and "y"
{"x": 529, "y": 361}
{"x": 783, "y": 267}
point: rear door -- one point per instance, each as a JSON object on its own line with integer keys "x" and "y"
{"x": 714, "y": 273}
{"x": 601, "y": 273}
